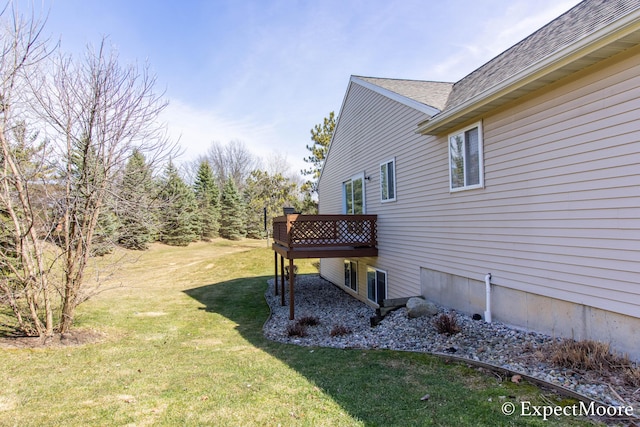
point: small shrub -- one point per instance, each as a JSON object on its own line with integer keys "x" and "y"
{"x": 632, "y": 376}
{"x": 447, "y": 324}
{"x": 339, "y": 330}
{"x": 589, "y": 355}
{"x": 297, "y": 330}
{"x": 528, "y": 347}
{"x": 309, "y": 321}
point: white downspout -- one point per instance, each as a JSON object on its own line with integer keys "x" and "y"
{"x": 487, "y": 283}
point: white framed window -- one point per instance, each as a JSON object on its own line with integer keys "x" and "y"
{"x": 351, "y": 274}
{"x": 466, "y": 169}
{"x": 353, "y": 195}
{"x": 376, "y": 285}
{"x": 388, "y": 181}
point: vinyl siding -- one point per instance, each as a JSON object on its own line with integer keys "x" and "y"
{"x": 560, "y": 212}
{"x": 562, "y": 175}
{"x": 372, "y": 129}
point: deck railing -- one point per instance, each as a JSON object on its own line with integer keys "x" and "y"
{"x": 318, "y": 231}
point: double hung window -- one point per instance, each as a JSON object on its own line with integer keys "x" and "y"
{"x": 465, "y": 159}
{"x": 388, "y": 181}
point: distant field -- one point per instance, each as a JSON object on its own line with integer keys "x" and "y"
{"x": 183, "y": 346}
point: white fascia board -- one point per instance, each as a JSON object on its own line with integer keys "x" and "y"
{"x": 562, "y": 57}
{"x": 423, "y": 108}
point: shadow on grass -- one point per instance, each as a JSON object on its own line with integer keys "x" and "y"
{"x": 376, "y": 387}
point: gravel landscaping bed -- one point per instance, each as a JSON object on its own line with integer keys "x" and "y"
{"x": 494, "y": 343}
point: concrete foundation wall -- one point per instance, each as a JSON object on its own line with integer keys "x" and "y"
{"x": 533, "y": 312}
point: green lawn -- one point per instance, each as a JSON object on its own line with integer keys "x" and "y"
{"x": 184, "y": 346}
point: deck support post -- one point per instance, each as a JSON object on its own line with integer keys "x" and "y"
{"x": 275, "y": 265}
{"x": 282, "y": 280}
{"x": 291, "y": 296}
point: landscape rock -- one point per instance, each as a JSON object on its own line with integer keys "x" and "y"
{"x": 418, "y": 307}
{"x": 520, "y": 351}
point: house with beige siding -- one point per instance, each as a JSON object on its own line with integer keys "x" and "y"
{"x": 513, "y": 193}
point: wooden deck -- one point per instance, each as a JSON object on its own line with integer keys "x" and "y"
{"x": 325, "y": 236}
{"x": 298, "y": 236}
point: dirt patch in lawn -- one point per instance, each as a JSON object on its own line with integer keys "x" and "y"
{"x": 150, "y": 314}
{"x": 74, "y": 338}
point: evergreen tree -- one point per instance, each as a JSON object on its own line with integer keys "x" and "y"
{"x": 308, "y": 206}
{"x": 179, "y": 223}
{"x": 25, "y": 151}
{"x": 138, "y": 222}
{"x": 104, "y": 235}
{"x": 270, "y": 191}
{"x": 321, "y": 136}
{"x": 87, "y": 176}
{"x": 232, "y": 224}
{"x": 208, "y": 200}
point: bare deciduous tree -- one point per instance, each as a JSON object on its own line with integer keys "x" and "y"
{"x": 23, "y": 269}
{"x": 232, "y": 160}
{"x": 93, "y": 114}
{"x": 97, "y": 112}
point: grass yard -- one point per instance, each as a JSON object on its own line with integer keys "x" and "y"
{"x": 183, "y": 346}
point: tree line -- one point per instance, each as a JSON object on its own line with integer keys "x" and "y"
{"x": 230, "y": 197}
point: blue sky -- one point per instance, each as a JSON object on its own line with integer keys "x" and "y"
{"x": 266, "y": 71}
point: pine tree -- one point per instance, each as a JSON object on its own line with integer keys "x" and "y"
{"x": 104, "y": 235}
{"x": 270, "y": 191}
{"x": 231, "y": 212}
{"x": 179, "y": 224}
{"x": 138, "y": 223}
{"x": 321, "y": 136}
{"x": 308, "y": 206}
{"x": 86, "y": 178}
{"x": 208, "y": 200}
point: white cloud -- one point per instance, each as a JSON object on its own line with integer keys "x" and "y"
{"x": 198, "y": 128}
{"x": 519, "y": 20}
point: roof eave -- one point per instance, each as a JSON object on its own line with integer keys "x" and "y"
{"x": 424, "y": 108}
{"x": 581, "y": 54}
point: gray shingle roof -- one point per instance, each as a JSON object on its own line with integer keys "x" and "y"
{"x": 433, "y": 94}
{"x": 582, "y": 20}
